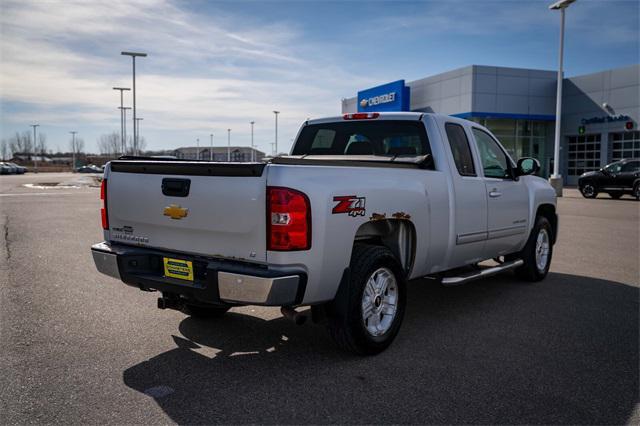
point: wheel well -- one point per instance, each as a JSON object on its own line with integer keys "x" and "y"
{"x": 398, "y": 235}
{"x": 549, "y": 212}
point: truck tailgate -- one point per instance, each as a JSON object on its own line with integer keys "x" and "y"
{"x": 212, "y": 209}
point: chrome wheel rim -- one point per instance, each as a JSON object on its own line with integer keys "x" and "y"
{"x": 588, "y": 190}
{"x": 379, "y": 302}
{"x": 542, "y": 250}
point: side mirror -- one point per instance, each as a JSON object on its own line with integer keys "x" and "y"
{"x": 528, "y": 166}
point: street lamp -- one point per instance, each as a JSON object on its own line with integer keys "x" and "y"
{"x": 122, "y": 141}
{"x": 211, "y": 149}
{"x": 133, "y": 57}
{"x": 556, "y": 180}
{"x": 73, "y": 149}
{"x": 35, "y": 147}
{"x": 197, "y": 148}
{"x": 252, "y": 149}
{"x": 138, "y": 133}
{"x": 229, "y": 145}
{"x": 124, "y": 128}
{"x": 275, "y": 154}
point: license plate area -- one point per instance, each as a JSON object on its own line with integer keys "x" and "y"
{"x": 178, "y": 269}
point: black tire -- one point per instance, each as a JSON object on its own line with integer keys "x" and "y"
{"x": 349, "y": 331}
{"x": 615, "y": 195}
{"x": 205, "y": 311}
{"x": 589, "y": 190}
{"x": 530, "y": 270}
{"x": 636, "y": 190}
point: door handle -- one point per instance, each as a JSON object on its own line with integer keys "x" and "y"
{"x": 494, "y": 193}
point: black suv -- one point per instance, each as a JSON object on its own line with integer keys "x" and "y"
{"x": 616, "y": 179}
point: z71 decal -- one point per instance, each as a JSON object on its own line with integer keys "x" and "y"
{"x": 351, "y": 204}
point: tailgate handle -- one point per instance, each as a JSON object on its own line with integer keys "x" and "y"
{"x": 176, "y": 187}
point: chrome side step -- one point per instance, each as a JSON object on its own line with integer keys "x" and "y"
{"x": 483, "y": 273}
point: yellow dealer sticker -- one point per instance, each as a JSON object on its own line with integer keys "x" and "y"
{"x": 176, "y": 268}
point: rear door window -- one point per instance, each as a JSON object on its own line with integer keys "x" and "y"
{"x": 460, "y": 149}
{"x": 384, "y": 137}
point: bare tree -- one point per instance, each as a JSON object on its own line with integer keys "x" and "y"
{"x": 41, "y": 146}
{"x": 109, "y": 144}
{"x": 4, "y": 149}
{"x": 78, "y": 147}
{"x": 21, "y": 142}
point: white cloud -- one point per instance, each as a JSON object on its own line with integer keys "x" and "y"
{"x": 202, "y": 73}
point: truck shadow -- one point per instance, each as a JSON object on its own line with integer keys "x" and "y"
{"x": 497, "y": 351}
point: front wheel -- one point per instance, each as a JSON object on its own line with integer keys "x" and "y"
{"x": 588, "y": 190}
{"x": 376, "y": 302}
{"x": 537, "y": 252}
{"x": 636, "y": 190}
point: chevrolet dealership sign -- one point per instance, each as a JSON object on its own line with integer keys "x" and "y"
{"x": 388, "y": 97}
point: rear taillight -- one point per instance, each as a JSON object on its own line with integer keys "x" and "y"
{"x": 103, "y": 210}
{"x": 288, "y": 220}
{"x": 361, "y": 116}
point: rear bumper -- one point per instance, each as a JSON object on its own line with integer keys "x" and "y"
{"x": 215, "y": 281}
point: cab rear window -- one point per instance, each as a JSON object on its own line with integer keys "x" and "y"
{"x": 387, "y": 137}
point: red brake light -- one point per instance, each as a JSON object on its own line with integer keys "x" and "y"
{"x": 361, "y": 116}
{"x": 103, "y": 210}
{"x": 288, "y": 220}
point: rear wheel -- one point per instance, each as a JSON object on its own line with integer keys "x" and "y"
{"x": 205, "y": 311}
{"x": 636, "y": 190}
{"x": 376, "y": 302}
{"x": 537, "y": 252}
{"x": 588, "y": 190}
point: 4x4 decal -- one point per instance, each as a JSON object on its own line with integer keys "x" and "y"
{"x": 350, "y": 204}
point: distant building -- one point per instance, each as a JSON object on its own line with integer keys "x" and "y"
{"x": 238, "y": 153}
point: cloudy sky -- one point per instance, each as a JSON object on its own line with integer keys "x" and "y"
{"x": 218, "y": 65}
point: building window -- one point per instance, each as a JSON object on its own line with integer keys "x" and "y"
{"x": 625, "y": 145}
{"x": 584, "y": 154}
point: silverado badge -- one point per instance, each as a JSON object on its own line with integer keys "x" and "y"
{"x": 174, "y": 211}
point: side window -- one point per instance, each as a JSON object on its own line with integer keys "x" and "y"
{"x": 494, "y": 161}
{"x": 631, "y": 167}
{"x": 460, "y": 149}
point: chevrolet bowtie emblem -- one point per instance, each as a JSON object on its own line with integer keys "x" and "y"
{"x": 174, "y": 211}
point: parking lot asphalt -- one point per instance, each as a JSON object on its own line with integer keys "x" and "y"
{"x": 79, "y": 347}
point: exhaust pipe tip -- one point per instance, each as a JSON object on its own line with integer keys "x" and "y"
{"x": 291, "y": 314}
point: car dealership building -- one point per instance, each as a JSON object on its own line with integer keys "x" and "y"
{"x": 600, "y": 111}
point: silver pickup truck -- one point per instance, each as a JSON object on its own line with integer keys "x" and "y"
{"x": 363, "y": 203}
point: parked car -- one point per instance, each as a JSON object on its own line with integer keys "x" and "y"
{"x": 616, "y": 179}
{"x": 19, "y": 169}
{"x": 91, "y": 168}
{"x": 6, "y": 169}
{"x": 365, "y": 202}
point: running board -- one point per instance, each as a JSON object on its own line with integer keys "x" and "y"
{"x": 483, "y": 273}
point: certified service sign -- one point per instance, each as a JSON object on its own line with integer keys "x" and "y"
{"x": 388, "y": 97}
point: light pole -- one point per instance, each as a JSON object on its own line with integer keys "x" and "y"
{"x": 35, "y": 147}
{"x": 124, "y": 128}
{"x": 138, "y": 133}
{"x": 211, "y": 149}
{"x": 133, "y": 57}
{"x": 197, "y": 148}
{"x": 73, "y": 148}
{"x": 252, "y": 150}
{"x": 275, "y": 154}
{"x": 228, "y": 145}
{"x": 556, "y": 180}
{"x": 122, "y": 142}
